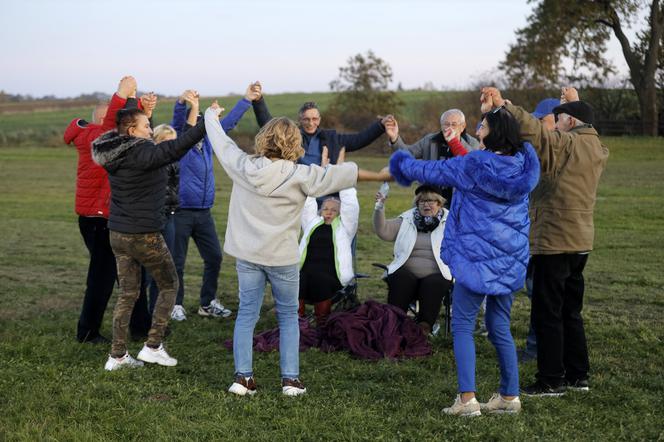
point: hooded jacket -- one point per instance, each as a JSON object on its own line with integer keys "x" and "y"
{"x": 267, "y": 198}
{"x": 486, "y": 234}
{"x": 93, "y": 192}
{"x": 138, "y": 175}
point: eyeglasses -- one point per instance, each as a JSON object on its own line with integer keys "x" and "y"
{"x": 452, "y": 124}
{"x": 425, "y": 202}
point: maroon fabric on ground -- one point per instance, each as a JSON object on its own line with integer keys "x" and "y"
{"x": 371, "y": 331}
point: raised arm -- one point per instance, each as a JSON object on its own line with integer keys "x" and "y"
{"x": 405, "y": 169}
{"x": 394, "y": 140}
{"x": 126, "y": 88}
{"x": 385, "y": 230}
{"x": 231, "y": 157}
{"x": 309, "y": 211}
{"x": 349, "y": 210}
{"x": 362, "y": 139}
{"x": 260, "y": 107}
{"x": 169, "y": 151}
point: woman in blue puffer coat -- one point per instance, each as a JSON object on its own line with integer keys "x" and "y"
{"x": 485, "y": 246}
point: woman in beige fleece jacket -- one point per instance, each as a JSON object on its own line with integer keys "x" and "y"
{"x": 269, "y": 191}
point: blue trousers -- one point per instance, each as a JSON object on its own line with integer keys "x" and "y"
{"x": 199, "y": 225}
{"x": 465, "y": 306}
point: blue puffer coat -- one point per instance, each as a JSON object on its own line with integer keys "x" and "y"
{"x": 486, "y": 234}
{"x": 196, "y": 167}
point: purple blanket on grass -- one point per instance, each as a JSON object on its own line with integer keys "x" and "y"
{"x": 371, "y": 331}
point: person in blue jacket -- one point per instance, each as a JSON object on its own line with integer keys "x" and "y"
{"x": 485, "y": 246}
{"x": 193, "y": 218}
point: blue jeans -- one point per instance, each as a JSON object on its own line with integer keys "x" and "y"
{"x": 169, "y": 237}
{"x": 285, "y": 281}
{"x": 465, "y": 306}
{"x": 199, "y": 225}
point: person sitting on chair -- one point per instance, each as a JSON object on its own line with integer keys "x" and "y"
{"x": 326, "y": 258}
{"x": 417, "y": 272}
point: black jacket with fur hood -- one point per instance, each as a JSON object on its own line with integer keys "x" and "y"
{"x": 138, "y": 175}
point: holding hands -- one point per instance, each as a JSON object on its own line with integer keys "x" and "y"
{"x": 568, "y": 94}
{"x": 254, "y": 91}
{"x": 214, "y": 107}
{"x": 149, "y": 102}
{"x": 490, "y": 98}
{"x": 127, "y": 87}
{"x": 391, "y": 128}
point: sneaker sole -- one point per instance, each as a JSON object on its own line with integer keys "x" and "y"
{"x": 581, "y": 389}
{"x": 240, "y": 390}
{"x": 471, "y": 414}
{"x": 210, "y": 315}
{"x": 501, "y": 411}
{"x": 149, "y": 360}
{"x": 292, "y": 391}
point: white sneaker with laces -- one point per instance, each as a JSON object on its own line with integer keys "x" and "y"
{"x": 468, "y": 409}
{"x": 497, "y": 404}
{"x": 125, "y": 361}
{"x": 214, "y": 310}
{"x": 157, "y": 356}
{"x": 178, "y": 313}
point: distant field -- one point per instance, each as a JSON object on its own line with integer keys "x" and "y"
{"x": 52, "y": 388}
{"x": 44, "y": 127}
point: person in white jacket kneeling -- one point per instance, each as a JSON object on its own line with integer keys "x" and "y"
{"x": 268, "y": 195}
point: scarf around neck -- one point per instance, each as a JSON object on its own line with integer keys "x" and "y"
{"x": 426, "y": 224}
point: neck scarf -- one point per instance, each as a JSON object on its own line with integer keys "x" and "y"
{"x": 426, "y": 224}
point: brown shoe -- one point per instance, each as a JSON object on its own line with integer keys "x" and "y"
{"x": 292, "y": 387}
{"x": 243, "y": 386}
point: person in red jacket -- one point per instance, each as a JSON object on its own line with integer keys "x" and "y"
{"x": 93, "y": 195}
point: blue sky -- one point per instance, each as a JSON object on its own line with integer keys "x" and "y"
{"x": 67, "y": 47}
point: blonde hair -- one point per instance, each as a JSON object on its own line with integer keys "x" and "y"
{"x": 280, "y": 139}
{"x": 428, "y": 196}
{"x": 162, "y": 131}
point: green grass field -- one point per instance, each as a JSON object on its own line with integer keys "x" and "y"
{"x": 52, "y": 388}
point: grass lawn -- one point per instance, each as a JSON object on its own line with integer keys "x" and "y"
{"x": 52, "y": 388}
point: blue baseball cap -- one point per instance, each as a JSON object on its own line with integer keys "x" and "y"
{"x": 545, "y": 107}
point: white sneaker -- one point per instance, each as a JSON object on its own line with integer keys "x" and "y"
{"x": 214, "y": 310}
{"x": 499, "y": 405}
{"x": 292, "y": 387}
{"x": 469, "y": 409}
{"x": 157, "y": 356}
{"x": 125, "y": 361}
{"x": 178, "y": 313}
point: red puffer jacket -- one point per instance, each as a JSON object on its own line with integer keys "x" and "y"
{"x": 93, "y": 191}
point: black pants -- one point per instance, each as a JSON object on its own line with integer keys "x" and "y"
{"x": 558, "y": 288}
{"x": 404, "y": 288}
{"x": 102, "y": 275}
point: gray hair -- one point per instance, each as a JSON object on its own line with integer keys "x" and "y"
{"x": 450, "y": 112}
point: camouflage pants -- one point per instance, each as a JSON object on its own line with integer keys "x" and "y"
{"x": 133, "y": 250}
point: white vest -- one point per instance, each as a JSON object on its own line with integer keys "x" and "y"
{"x": 403, "y": 246}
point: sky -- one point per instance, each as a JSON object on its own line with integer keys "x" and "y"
{"x": 69, "y": 47}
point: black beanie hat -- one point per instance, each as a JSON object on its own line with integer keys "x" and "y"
{"x": 577, "y": 109}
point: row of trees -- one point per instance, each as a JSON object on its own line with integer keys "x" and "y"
{"x": 564, "y": 42}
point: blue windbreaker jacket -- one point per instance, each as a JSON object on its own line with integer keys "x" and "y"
{"x": 196, "y": 167}
{"x": 486, "y": 234}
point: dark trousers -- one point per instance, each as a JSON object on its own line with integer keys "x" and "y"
{"x": 531, "y": 339}
{"x": 557, "y": 301}
{"x": 199, "y": 225}
{"x": 404, "y": 288}
{"x": 169, "y": 236}
{"x": 133, "y": 250}
{"x": 102, "y": 275}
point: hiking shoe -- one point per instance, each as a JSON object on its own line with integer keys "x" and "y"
{"x": 178, "y": 313}
{"x": 292, "y": 387}
{"x": 540, "y": 389}
{"x": 435, "y": 329}
{"x": 578, "y": 385}
{"x": 157, "y": 356}
{"x": 481, "y": 331}
{"x": 125, "y": 361}
{"x": 214, "y": 310}
{"x": 499, "y": 405}
{"x": 243, "y": 386}
{"x": 458, "y": 408}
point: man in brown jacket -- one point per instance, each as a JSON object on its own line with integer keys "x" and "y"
{"x": 572, "y": 159}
